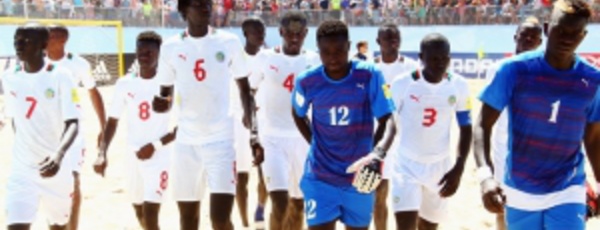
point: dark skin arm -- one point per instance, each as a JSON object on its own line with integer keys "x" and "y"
{"x": 385, "y": 132}
{"x": 303, "y": 125}
{"x": 493, "y": 199}
{"x": 591, "y": 141}
{"x": 451, "y": 180}
{"x": 249, "y": 119}
{"x": 109, "y": 133}
{"x": 98, "y": 104}
{"x": 163, "y": 103}
{"x": 51, "y": 166}
{"x": 147, "y": 150}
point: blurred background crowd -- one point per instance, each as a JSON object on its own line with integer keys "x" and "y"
{"x": 163, "y": 13}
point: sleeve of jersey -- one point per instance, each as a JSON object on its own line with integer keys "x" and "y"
{"x": 380, "y": 95}
{"x": 256, "y": 75}
{"x": 118, "y": 101}
{"x": 165, "y": 73}
{"x": 85, "y": 74}
{"x": 463, "y": 105}
{"x": 593, "y": 115}
{"x": 497, "y": 93}
{"x": 239, "y": 64}
{"x": 69, "y": 98}
{"x": 299, "y": 98}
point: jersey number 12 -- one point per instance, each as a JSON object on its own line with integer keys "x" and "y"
{"x": 343, "y": 112}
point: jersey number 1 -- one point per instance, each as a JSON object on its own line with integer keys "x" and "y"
{"x": 554, "y": 114}
{"x": 289, "y": 82}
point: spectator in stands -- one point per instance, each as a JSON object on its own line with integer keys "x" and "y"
{"x": 363, "y": 49}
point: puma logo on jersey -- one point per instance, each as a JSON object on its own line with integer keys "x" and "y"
{"x": 414, "y": 98}
{"x": 585, "y": 82}
{"x": 183, "y": 57}
{"x": 360, "y": 85}
{"x": 131, "y": 95}
{"x": 13, "y": 93}
{"x": 274, "y": 68}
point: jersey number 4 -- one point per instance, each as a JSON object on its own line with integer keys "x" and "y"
{"x": 33, "y": 102}
{"x": 289, "y": 82}
{"x": 429, "y": 117}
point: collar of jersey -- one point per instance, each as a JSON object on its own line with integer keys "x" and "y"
{"x": 186, "y": 34}
{"x": 560, "y": 72}
{"x": 417, "y": 77}
{"x": 324, "y": 74}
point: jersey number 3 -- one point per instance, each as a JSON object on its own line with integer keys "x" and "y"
{"x": 429, "y": 117}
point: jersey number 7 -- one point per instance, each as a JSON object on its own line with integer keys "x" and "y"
{"x": 33, "y": 102}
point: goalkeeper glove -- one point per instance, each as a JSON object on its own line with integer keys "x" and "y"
{"x": 367, "y": 171}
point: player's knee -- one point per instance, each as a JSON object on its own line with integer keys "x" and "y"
{"x": 18, "y": 227}
{"x": 406, "y": 220}
{"x": 189, "y": 210}
{"x": 280, "y": 201}
{"x": 427, "y": 225}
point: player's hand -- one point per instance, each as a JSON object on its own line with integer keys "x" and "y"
{"x": 592, "y": 202}
{"x": 50, "y": 166}
{"x": 257, "y": 151}
{"x": 246, "y": 121}
{"x": 161, "y": 104}
{"x": 145, "y": 152}
{"x": 451, "y": 180}
{"x": 367, "y": 173}
{"x": 493, "y": 198}
{"x": 100, "y": 164}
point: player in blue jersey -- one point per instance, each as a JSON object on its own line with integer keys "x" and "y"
{"x": 553, "y": 105}
{"x": 344, "y": 162}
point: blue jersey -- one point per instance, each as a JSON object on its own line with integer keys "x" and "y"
{"x": 547, "y": 111}
{"x": 342, "y": 117}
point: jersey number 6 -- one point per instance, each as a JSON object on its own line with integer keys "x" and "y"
{"x": 199, "y": 72}
{"x": 429, "y": 117}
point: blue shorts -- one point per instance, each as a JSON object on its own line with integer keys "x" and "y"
{"x": 566, "y": 216}
{"x": 324, "y": 203}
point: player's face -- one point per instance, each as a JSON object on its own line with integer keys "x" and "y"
{"x": 565, "y": 33}
{"x": 334, "y": 53}
{"x": 56, "y": 41}
{"x": 435, "y": 59}
{"x": 28, "y": 45}
{"x": 255, "y": 34}
{"x": 389, "y": 41}
{"x": 293, "y": 37}
{"x": 147, "y": 54}
{"x": 198, "y": 12}
{"x": 528, "y": 38}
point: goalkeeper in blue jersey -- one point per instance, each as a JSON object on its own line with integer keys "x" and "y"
{"x": 334, "y": 106}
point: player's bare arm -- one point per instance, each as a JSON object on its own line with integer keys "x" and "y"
{"x": 164, "y": 101}
{"x": 109, "y": 132}
{"x": 98, "y": 104}
{"x": 493, "y": 199}
{"x": 249, "y": 118}
{"x": 303, "y": 125}
{"x": 451, "y": 180}
{"x": 51, "y": 166}
{"x": 385, "y": 132}
{"x": 591, "y": 141}
{"x": 147, "y": 151}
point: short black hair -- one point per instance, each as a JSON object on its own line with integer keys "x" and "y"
{"x": 576, "y": 8}
{"x": 182, "y": 5}
{"x": 293, "y": 16}
{"x": 59, "y": 28}
{"x": 150, "y": 36}
{"x": 530, "y": 21}
{"x": 333, "y": 28}
{"x": 253, "y": 20}
{"x": 434, "y": 39}
{"x": 38, "y": 28}
{"x": 388, "y": 26}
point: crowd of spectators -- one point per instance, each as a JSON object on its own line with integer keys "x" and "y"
{"x": 232, "y": 12}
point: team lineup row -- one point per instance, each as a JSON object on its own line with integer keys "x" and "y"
{"x": 321, "y": 127}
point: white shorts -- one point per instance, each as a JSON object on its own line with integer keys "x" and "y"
{"x": 389, "y": 161}
{"x": 415, "y": 187}
{"x": 26, "y": 189}
{"x": 243, "y": 152}
{"x": 284, "y": 163}
{"x": 76, "y": 154}
{"x": 149, "y": 179}
{"x": 196, "y": 166}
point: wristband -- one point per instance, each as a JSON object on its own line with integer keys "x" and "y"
{"x": 379, "y": 152}
{"x": 157, "y": 145}
{"x": 484, "y": 173}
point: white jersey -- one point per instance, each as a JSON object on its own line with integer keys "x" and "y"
{"x": 425, "y": 113}
{"x": 135, "y": 94}
{"x": 79, "y": 67}
{"x": 500, "y": 130}
{"x": 396, "y": 69}
{"x": 39, "y": 104}
{"x": 236, "y": 103}
{"x": 276, "y": 84}
{"x": 201, "y": 70}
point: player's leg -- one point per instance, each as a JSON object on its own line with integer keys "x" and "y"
{"x": 139, "y": 214}
{"x": 357, "y": 208}
{"x": 322, "y": 204}
{"x": 155, "y": 176}
{"x": 406, "y": 194}
{"x": 22, "y": 199}
{"x": 77, "y": 154}
{"x": 296, "y": 154}
{"x": 56, "y": 198}
{"x": 259, "y": 217}
{"x": 381, "y": 194}
{"x": 565, "y": 216}
{"x": 241, "y": 196}
{"x": 275, "y": 169}
{"x": 433, "y": 207}
{"x": 243, "y": 155}
{"x": 150, "y": 212}
{"x": 188, "y": 184}
{"x": 219, "y": 160}
{"x": 19, "y": 227}
{"x": 135, "y": 186}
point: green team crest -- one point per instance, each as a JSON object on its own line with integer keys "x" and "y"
{"x": 49, "y": 93}
{"x": 452, "y": 100}
{"x": 220, "y": 56}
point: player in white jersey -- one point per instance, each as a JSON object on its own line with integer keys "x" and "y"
{"x": 81, "y": 77}
{"x": 392, "y": 65}
{"x": 42, "y": 102}
{"x": 199, "y": 64}
{"x": 424, "y": 173}
{"x": 285, "y": 149}
{"x": 527, "y": 37}
{"x": 148, "y": 135}
{"x": 254, "y": 32}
